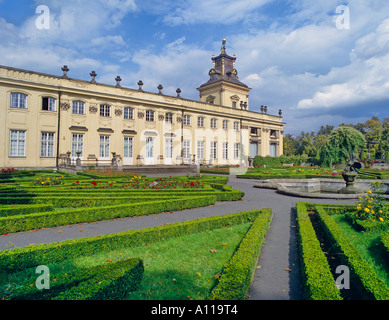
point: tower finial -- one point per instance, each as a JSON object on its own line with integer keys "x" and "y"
{"x": 224, "y": 45}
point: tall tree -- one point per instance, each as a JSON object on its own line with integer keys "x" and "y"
{"x": 340, "y": 145}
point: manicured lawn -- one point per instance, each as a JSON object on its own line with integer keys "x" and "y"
{"x": 184, "y": 267}
{"x": 368, "y": 244}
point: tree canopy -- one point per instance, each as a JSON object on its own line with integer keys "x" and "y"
{"x": 340, "y": 145}
{"x": 375, "y": 132}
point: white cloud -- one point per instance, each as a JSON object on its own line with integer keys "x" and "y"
{"x": 364, "y": 79}
{"x": 212, "y": 11}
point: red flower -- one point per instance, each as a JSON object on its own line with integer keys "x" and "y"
{"x": 94, "y": 183}
{"x": 192, "y": 184}
{"x": 77, "y": 181}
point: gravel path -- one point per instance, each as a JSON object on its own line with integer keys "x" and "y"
{"x": 277, "y": 273}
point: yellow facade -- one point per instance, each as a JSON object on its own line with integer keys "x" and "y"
{"x": 44, "y": 118}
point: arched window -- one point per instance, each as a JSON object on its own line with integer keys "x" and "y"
{"x": 18, "y": 100}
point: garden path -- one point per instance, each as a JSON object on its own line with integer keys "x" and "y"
{"x": 277, "y": 273}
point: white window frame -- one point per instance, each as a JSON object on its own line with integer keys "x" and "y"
{"x": 186, "y": 149}
{"x": 17, "y": 143}
{"x": 150, "y": 115}
{"x": 18, "y": 100}
{"x": 236, "y": 125}
{"x": 149, "y": 148}
{"x": 225, "y": 124}
{"x": 78, "y": 107}
{"x": 47, "y": 144}
{"x": 213, "y": 154}
{"x": 77, "y": 144}
{"x": 200, "y": 122}
{"x": 200, "y": 149}
{"x": 104, "y": 145}
{"x": 168, "y": 148}
{"x": 128, "y": 113}
{"x": 128, "y": 147}
{"x": 213, "y": 123}
{"x": 51, "y": 104}
{"x": 169, "y": 117}
{"x": 105, "y": 110}
{"x": 186, "y": 120}
{"x": 236, "y": 151}
{"x": 225, "y": 150}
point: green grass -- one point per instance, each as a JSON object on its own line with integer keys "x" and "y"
{"x": 368, "y": 244}
{"x": 176, "y": 268}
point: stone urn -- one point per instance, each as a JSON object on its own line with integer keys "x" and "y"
{"x": 349, "y": 177}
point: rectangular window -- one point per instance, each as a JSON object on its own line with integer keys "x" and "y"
{"x": 225, "y": 124}
{"x": 105, "y": 110}
{"x": 78, "y": 107}
{"x": 128, "y": 113}
{"x": 236, "y": 125}
{"x": 273, "y": 149}
{"x": 186, "y": 149}
{"x": 169, "y": 117}
{"x": 149, "y": 115}
{"x": 128, "y": 147}
{"x": 18, "y": 100}
{"x": 200, "y": 150}
{"x": 213, "y": 149}
{"x": 48, "y": 103}
{"x": 168, "y": 148}
{"x": 236, "y": 151}
{"x": 104, "y": 146}
{"x": 77, "y": 144}
{"x": 186, "y": 120}
{"x": 47, "y": 144}
{"x": 225, "y": 150}
{"x": 17, "y": 143}
{"x": 200, "y": 122}
{"x": 213, "y": 123}
{"x": 149, "y": 148}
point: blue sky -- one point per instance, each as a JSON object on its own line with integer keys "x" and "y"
{"x": 291, "y": 53}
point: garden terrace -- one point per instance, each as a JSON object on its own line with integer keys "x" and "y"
{"x": 25, "y": 205}
{"x": 327, "y": 239}
{"x": 222, "y": 269}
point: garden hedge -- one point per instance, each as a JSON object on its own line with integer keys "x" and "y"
{"x": 113, "y": 280}
{"x": 18, "y": 259}
{"x": 362, "y": 274}
{"x": 318, "y": 281}
{"x": 82, "y": 215}
{"x": 385, "y": 243}
{"x": 11, "y": 210}
{"x": 237, "y": 275}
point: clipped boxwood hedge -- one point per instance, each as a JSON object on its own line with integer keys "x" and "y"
{"x": 114, "y": 283}
{"x": 363, "y": 275}
{"x": 237, "y": 275}
{"x": 12, "y": 210}
{"x": 82, "y": 215}
{"x": 18, "y": 259}
{"x": 318, "y": 281}
{"x": 112, "y": 280}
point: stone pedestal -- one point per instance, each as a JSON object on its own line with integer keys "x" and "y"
{"x": 349, "y": 177}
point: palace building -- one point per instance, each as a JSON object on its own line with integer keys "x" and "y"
{"x": 50, "y": 121}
